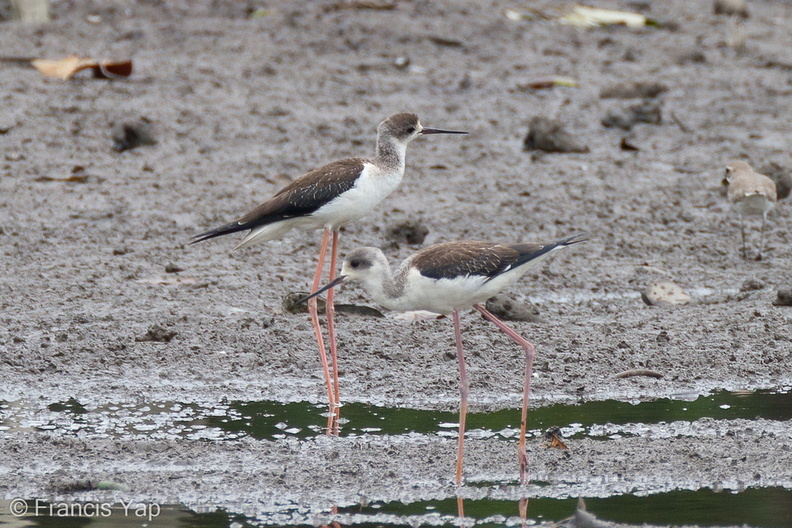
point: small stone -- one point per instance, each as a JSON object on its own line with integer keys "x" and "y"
{"x": 730, "y": 7}
{"x": 647, "y": 112}
{"x": 694, "y": 56}
{"x": 782, "y": 178}
{"x": 173, "y": 268}
{"x": 291, "y": 303}
{"x": 664, "y": 293}
{"x": 509, "y": 309}
{"x": 634, "y": 90}
{"x": 752, "y": 284}
{"x": 411, "y": 232}
{"x": 549, "y": 135}
{"x": 783, "y": 297}
{"x": 157, "y": 333}
{"x": 127, "y": 136}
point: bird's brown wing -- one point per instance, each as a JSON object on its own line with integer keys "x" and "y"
{"x": 484, "y": 259}
{"x": 307, "y": 193}
{"x": 461, "y": 259}
{"x": 301, "y": 197}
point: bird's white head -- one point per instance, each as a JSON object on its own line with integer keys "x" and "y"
{"x": 364, "y": 263}
{"x": 405, "y": 127}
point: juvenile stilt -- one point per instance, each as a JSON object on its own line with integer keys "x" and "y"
{"x": 445, "y": 278}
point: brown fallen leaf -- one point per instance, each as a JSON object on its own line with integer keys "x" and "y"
{"x": 78, "y": 175}
{"x": 554, "y": 439}
{"x": 74, "y": 178}
{"x": 66, "y": 68}
{"x": 625, "y": 144}
{"x": 549, "y": 81}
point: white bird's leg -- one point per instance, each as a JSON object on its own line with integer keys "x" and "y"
{"x": 742, "y": 230}
{"x": 330, "y": 310}
{"x": 314, "y": 312}
{"x": 522, "y": 453}
{"x": 464, "y": 389}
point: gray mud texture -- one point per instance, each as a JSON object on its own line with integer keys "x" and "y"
{"x": 102, "y": 298}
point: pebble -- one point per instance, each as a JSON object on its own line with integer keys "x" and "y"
{"x": 505, "y": 307}
{"x": 783, "y": 297}
{"x": 549, "y": 135}
{"x": 664, "y": 293}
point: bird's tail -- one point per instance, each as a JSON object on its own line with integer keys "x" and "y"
{"x": 572, "y": 240}
{"x": 227, "y": 229}
{"x": 534, "y": 253}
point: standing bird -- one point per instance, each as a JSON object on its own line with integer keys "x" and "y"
{"x": 327, "y": 198}
{"x": 444, "y": 278}
{"x": 750, "y": 193}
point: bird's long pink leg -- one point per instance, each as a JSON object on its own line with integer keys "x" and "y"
{"x": 464, "y": 389}
{"x": 330, "y": 311}
{"x": 522, "y": 453}
{"x": 314, "y": 312}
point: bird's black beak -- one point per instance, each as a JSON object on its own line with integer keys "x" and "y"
{"x": 338, "y": 280}
{"x": 425, "y": 131}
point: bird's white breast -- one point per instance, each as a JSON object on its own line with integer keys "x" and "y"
{"x": 372, "y": 186}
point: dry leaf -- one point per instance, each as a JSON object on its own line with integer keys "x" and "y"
{"x": 627, "y": 145}
{"x": 549, "y": 81}
{"x": 66, "y": 68}
{"x": 584, "y": 16}
{"x": 74, "y": 178}
{"x": 554, "y": 439}
{"x": 78, "y": 175}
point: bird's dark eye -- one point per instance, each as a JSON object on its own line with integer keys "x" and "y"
{"x": 411, "y": 130}
{"x": 355, "y": 264}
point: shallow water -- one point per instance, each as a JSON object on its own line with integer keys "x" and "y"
{"x": 487, "y": 503}
{"x": 271, "y": 420}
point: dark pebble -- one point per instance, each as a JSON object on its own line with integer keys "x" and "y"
{"x": 127, "y": 136}
{"x": 412, "y": 232}
{"x": 504, "y": 307}
{"x": 784, "y": 298}
{"x": 159, "y": 334}
{"x": 549, "y": 135}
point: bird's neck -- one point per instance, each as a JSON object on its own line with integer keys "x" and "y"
{"x": 384, "y": 288}
{"x": 390, "y": 154}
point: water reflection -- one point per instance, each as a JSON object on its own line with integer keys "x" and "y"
{"x": 751, "y": 507}
{"x": 274, "y": 420}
